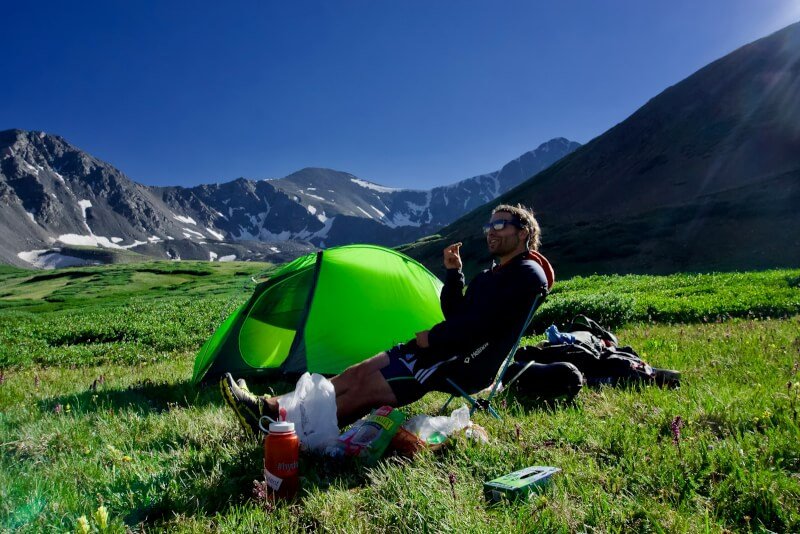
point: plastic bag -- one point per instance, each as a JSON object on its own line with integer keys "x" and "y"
{"x": 312, "y": 409}
{"x": 435, "y": 430}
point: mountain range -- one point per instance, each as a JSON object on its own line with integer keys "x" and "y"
{"x": 62, "y": 206}
{"x": 705, "y": 176}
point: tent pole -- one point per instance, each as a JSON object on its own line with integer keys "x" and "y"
{"x": 301, "y": 327}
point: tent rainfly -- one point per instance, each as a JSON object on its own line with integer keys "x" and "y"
{"x": 323, "y": 312}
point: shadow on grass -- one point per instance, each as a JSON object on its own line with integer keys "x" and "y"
{"x": 210, "y": 480}
{"x": 143, "y": 397}
{"x": 149, "y": 396}
{"x": 230, "y": 485}
{"x": 233, "y": 483}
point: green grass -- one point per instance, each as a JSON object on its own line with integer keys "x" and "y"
{"x": 121, "y": 313}
{"x": 96, "y": 408}
{"x": 616, "y": 300}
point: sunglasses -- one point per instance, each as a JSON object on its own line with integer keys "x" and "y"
{"x": 499, "y": 224}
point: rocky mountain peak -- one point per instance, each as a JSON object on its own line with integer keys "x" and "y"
{"x": 58, "y": 195}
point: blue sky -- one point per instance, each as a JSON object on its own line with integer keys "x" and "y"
{"x": 402, "y": 93}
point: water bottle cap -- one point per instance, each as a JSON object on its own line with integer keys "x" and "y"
{"x": 281, "y": 427}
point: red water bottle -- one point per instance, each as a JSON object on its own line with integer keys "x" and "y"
{"x": 281, "y": 455}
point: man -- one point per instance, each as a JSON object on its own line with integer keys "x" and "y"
{"x": 479, "y": 329}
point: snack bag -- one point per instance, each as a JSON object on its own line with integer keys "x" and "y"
{"x": 370, "y": 436}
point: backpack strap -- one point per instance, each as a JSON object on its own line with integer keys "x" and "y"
{"x": 581, "y": 323}
{"x": 549, "y": 273}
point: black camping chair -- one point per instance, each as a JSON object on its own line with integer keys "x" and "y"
{"x": 486, "y": 404}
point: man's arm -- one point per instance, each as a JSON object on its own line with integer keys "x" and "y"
{"x": 453, "y": 291}
{"x": 506, "y": 307}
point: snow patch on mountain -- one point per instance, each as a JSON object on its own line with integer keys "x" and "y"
{"x": 30, "y": 168}
{"x": 201, "y": 236}
{"x": 29, "y": 214}
{"x": 402, "y": 219}
{"x": 87, "y": 240}
{"x": 257, "y": 220}
{"x": 418, "y": 208}
{"x": 52, "y": 259}
{"x": 266, "y": 235}
{"x": 212, "y": 256}
{"x": 323, "y": 232}
{"x": 218, "y": 235}
{"x": 184, "y": 220}
{"x": 374, "y": 187}
{"x": 230, "y": 257}
{"x": 85, "y": 204}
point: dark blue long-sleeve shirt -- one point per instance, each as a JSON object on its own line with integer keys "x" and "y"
{"x": 482, "y": 325}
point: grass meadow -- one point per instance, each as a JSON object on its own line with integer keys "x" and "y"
{"x": 101, "y": 429}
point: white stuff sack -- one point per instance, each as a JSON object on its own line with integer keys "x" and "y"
{"x": 312, "y": 409}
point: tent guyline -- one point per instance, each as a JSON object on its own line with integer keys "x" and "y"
{"x": 324, "y": 312}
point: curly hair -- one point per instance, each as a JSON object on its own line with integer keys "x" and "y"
{"x": 527, "y": 221}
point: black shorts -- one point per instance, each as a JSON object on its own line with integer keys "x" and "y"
{"x": 408, "y": 380}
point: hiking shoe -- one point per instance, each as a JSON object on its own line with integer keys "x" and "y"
{"x": 248, "y": 408}
{"x": 242, "y": 384}
{"x": 667, "y": 378}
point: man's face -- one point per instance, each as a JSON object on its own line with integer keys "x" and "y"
{"x": 508, "y": 240}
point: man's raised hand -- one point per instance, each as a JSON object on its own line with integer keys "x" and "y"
{"x": 452, "y": 256}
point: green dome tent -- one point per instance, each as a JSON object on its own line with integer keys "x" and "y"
{"x": 324, "y": 312}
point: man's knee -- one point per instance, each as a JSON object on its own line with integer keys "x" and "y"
{"x": 371, "y": 368}
{"x": 363, "y": 372}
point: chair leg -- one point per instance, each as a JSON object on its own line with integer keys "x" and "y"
{"x": 475, "y": 404}
{"x": 446, "y": 404}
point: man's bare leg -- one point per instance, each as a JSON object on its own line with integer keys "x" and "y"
{"x": 358, "y": 389}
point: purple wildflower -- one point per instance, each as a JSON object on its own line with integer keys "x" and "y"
{"x": 262, "y": 494}
{"x": 452, "y": 478}
{"x": 676, "y": 426}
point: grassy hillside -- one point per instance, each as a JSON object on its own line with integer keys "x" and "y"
{"x": 121, "y": 313}
{"x": 703, "y": 177}
{"x": 96, "y": 409}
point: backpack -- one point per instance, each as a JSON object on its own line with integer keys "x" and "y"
{"x": 545, "y": 382}
{"x": 595, "y": 353}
